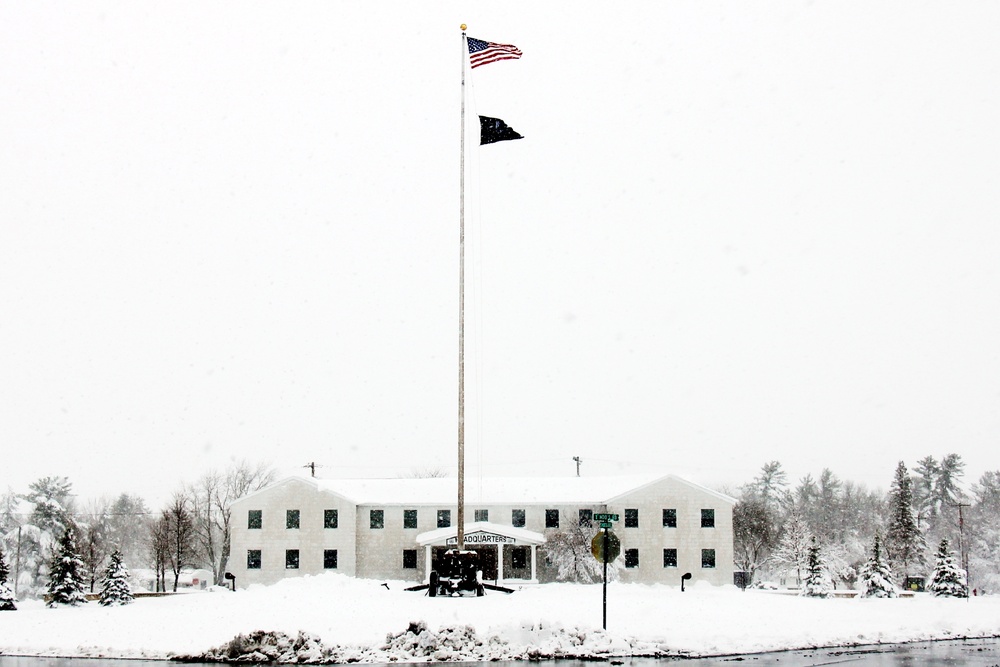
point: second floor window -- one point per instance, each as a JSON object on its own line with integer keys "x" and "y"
{"x": 586, "y": 518}
{"x": 517, "y": 518}
{"x": 632, "y": 518}
{"x": 409, "y": 518}
{"x": 376, "y": 519}
{"x": 291, "y": 518}
{"x": 330, "y": 519}
{"x": 670, "y": 518}
{"x": 444, "y": 518}
{"x": 551, "y": 518}
{"x": 255, "y": 519}
{"x": 482, "y": 515}
{"x": 708, "y": 518}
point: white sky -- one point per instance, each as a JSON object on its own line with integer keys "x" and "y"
{"x": 734, "y": 232}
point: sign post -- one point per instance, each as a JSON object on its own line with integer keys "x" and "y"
{"x": 606, "y": 547}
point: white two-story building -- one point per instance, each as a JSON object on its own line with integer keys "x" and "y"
{"x": 397, "y": 528}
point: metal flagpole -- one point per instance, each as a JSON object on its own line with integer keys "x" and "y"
{"x": 460, "y": 537}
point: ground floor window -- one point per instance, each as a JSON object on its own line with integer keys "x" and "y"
{"x": 329, "y": 559}
{"x": 253, "y": 559}
{"x": 670, "y": 558}
{"x": 519, "y": 558}
{"x": 409, "y": 559}
{"x": 631, "y": 558}
{"x": 291, "y": 559}
{"x": 708, "y": 558}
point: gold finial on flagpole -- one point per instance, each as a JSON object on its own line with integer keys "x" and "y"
{"x": 464, "y": 26}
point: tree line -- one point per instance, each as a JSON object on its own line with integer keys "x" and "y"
{"x": 191, "y": 531}
{"x": 775, "y": 523}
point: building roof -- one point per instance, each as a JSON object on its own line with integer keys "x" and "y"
{"x": 492, "y": 490}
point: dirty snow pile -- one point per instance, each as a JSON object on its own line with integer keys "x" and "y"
{"x": 333, "y": 618}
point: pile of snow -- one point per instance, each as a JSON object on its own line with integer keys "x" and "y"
{"x": 338, "y": 618}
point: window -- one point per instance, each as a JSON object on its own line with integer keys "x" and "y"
{"x": 253, "y": 559}
{"x": 551, "y": 518}
{"x": 254, "y": 519}
{"x": 409, "y": 518}
{"x": 330, "y": 518}
{"x": 708, "y": 558}
{"x": 708, "y": 518}
{"x": 444, "y": 518}
{"x": 517, "y": 518}
{"x": 482, "y": 515}
{"x": 291, "y": 559}
{"x": 519, "y": 558}
{"x": 409, "y": 559}
{"x": 632, "y": 518}
{"x": 631, "y": 558}
{"x": 670, "y": 558}
{"x": 291, "y": 519}
{"x": 586, "y": 517}
{"x": 376, "y": 519}
{"x": 670, "y": 518}
{"x": 329, "y": 559}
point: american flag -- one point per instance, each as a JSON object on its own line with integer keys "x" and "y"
{"x": 483, "y": 53}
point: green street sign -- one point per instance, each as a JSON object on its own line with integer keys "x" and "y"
{"x": 607, "y": 524}
{"x": 605, "y": 517}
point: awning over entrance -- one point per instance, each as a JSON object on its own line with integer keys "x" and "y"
{"x": 504, "y": 550}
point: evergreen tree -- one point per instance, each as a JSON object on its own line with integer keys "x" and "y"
{"x": 6, "y": 595}
{"x": 904, "y": 545}
{"x": 66, "y": 573}
{"x": 818, "y": 584}
{"x": 876, "y": 579}
{"x": 948, "y": 579}
{"x": 115, "y": 589}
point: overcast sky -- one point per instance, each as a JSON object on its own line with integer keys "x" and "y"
{"x": 734, "y": 232}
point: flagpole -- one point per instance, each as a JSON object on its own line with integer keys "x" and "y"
{"x": 460, "y": 536}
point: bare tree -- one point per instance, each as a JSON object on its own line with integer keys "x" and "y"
{"x": 159, "y": 549}
{"x": 212, "y": 499}
{"x": 755, "y": 533}
{"x": 93, "y": 546}
{"x": 180, "y": 535}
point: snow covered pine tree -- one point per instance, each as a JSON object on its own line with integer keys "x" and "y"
{"x": 876, "y": 579}
{"x": 66, "y": 573}
{"x": 6, "y": 595}
{"x": 818, "y": 583}
{"x": 948, "y": 579}
{"x": 115, "y": 588}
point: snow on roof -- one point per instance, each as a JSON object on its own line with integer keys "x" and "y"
{"x": 492, "y": 490}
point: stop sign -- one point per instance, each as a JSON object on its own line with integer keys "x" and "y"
{"x": 597, "y": 546}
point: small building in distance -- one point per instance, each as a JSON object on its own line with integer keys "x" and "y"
{"x": 398, "y": 528}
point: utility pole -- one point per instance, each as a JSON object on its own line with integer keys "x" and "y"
{"x": 961, "y": 545}
{"x": 578, "y": 462}
{"x": 312, "y": 465}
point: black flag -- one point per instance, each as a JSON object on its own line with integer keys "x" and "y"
{"x": 493, "y": 130}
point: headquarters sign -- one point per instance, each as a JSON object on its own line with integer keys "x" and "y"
{"x": 482, "y": 537}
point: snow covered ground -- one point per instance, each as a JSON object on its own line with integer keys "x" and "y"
{"x": 355, "y": 616}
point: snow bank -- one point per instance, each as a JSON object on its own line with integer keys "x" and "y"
{"x": 361, "y": 620}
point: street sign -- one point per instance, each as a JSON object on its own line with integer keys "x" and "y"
{"x": 597, "y": 546}
{"x": 605, "y": 517}
{"x": 607, "y": 524}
